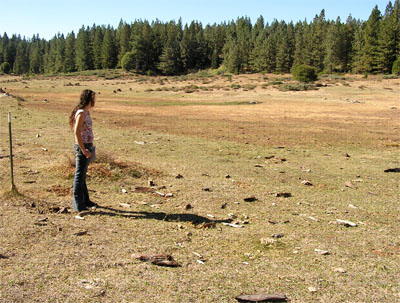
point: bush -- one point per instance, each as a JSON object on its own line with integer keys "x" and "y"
{"x": 304, "y": 73}
{"x": 128, "y": 61}
{"x": 5, "y": 67}
{"x": 297, "y": 87}
{"x": 396, "y": 67}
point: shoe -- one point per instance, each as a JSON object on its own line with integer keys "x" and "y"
{"x": 91, "y": 204}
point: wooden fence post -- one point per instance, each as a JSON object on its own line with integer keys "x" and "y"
{"x": 11, "y": 152}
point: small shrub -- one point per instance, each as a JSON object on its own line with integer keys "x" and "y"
{"x": 275, "y": 83}
{"x": 396, "y": 67}
{"x": 249, "y": 86}
{"x": 304, "y": 73}
{"x": 388, "y": 77}
{"x": 128, "y": 61}
{"x": 203, "y": 74}
{"x": 5, "y": 67}
{"x": 298, "y": 87}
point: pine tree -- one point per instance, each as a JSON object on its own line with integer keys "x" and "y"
{"x": 10, "y": 49}
{"x": 83, "y": 58}
{"x": 143, "y": 40}
{"x": 318, "y": 30}
{"x": 389, "y": 37}
{"x": 285, "y": 47}
{"x": 170, "y": 59}
{"x": 238, "y": 47}
{"x": 50, "y": 56}
{"x": 60, "y": 54}
{"x": 123, "y": 40}
{"x": 36, "y": 65}
{"x": 332, "y": 46}
{"x": 193, "y": 47}
{"x": 21, "y": 64}
{"x": 371, "y": 51}
{"x": 70, "y": 53}
{"x": 215, "y": 36}
{"x": 109, "y": 50}
{"x": 358, "y": 49}
{"x": 97, "y": 46}
{"x": 347, "y": 32}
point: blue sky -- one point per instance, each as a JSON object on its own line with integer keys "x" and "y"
{"x": 49, "y": 17}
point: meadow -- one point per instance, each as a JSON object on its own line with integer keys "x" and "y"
{"x": 245, "y": 180}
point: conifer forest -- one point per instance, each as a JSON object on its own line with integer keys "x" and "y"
{"x": 173, "y": 48}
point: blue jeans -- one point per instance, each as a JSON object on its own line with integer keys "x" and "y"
{"x": 81, "y": 194}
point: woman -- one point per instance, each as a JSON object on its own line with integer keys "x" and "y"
{"x": 81, "y": 123}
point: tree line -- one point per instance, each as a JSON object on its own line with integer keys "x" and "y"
{"x": 171, "y": 48}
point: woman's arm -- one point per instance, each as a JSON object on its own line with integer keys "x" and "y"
{"x": 78, "y": 136}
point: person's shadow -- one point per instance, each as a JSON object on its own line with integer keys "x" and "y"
{"x": 194, "y": 219}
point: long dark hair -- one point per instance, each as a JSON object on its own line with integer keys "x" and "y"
{"x": 87, "y": 97}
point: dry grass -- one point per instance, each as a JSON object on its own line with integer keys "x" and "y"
{"x": 266, "y": 147}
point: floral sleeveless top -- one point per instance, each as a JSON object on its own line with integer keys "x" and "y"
{"x": 87, "y": 131}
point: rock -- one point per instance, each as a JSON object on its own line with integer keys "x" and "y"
{"x": 124, "y": 191}
{"x": 160, "y": 260}
{"x": 151, "y": 183}
{"x": 312, "y": 289}
{"x": 206, "y": 189}
{"x": 227, "y": 176}
{"x": 188, "y": 206}
{"x": 340, "y": 270}
{"x": 322, "y": 252}
{"x": 258, "y": 165}
{"x": 349, "y": 184}
{"x": 306, "y": 183}
{"x": 392, "y": 170}
{"x": 224, "y": 205}
{"x": 262, "y": 298}
{"x": 178, "y": 176}
{"x": 346, "y": 223}
{"x": 347, "y": 155}
{"x": 284, "y": 195}
{"x": 250, "y": 199}
{"x": 232, "y": 225}
{"x": 280, "y": 235}
{"x": 125, "y": 205}
{"x": 80, "y": 233}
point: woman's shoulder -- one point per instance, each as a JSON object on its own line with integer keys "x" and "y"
{"x": 79, "y": 111}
